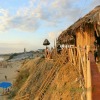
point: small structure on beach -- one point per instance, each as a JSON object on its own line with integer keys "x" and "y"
{"x": 46, "y": 42}
{"x": 24, "y": 50}
{"x": 83, "y": 32}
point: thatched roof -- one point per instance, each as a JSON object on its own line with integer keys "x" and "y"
{"x": 91, "y": 18}
{"x": 46, "y": 42}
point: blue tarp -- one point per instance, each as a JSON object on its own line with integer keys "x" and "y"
{"x": 5, "y": 84}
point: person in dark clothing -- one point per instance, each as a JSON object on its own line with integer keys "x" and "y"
{"x": 6, "y": 77}
{"x": 59, "y": 49}
{"x": 95, "y": 55}
{"x": 95, "y": 44}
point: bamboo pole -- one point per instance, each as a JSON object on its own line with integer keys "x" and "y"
{"x": 89, "y": 84}
{"x": 73, "y": 57}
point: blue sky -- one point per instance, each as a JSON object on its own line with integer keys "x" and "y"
{"x": 26, "y": 23}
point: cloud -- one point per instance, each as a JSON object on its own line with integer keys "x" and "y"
{"x": 4, "y": 12}
{"x": 89, "y": 5}
{"x": 14, "y": 46}
{"x": 28, "y": 18}
{"x": 53, "y": 35}
{"x": 94, "y": 3}
{"x": 51, "y": 12}
{"x": 10, "y": 47}
{"x": 22, "y": 21}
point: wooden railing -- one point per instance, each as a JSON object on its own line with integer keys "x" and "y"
{"x": 80, "y": 57}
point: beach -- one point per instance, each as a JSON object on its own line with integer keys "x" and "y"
{"x": 10, "y": 71}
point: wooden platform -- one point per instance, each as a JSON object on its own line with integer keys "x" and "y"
{"x": 95, "y": 78}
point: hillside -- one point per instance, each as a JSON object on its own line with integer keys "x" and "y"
{"x": 65, "y": 85}
{"x": 26, "y": 55}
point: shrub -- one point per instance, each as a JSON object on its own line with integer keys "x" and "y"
{"x": 11, "y": 57}
{"x": 22, "y": 77}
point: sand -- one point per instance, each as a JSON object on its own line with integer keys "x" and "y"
{"x": 10, "y": 72}
{"x": 61, "y": 88}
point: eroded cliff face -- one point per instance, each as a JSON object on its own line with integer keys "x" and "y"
{"x": 31, "y": 75}
{"x": 65, "y": 85}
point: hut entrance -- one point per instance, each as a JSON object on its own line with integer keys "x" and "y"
{"x": 97, "y": 38}
{"x": 97, "y": 43}
{"x": 74, "y": 39}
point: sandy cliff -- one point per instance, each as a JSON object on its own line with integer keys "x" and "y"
{"x": 65, "y": 85}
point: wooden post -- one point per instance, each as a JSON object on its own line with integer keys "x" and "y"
{"x": 69, "y": 55}
{"x": 73, "y": 56}
{"x": 89, "y": 84}
{"x": 78, "y": 49}
{"x": 85, "y": 68}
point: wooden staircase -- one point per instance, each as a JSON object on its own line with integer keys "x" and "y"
{"x": 25, "y": 97}
{"x": 60, "y": 60}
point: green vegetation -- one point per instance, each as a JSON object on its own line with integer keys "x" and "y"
{"x": 21, "y": 78}
{"x": 15, "y": 54}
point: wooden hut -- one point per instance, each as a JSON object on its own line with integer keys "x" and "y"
{"x": 83, "y": 32}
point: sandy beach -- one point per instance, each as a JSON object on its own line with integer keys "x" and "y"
{"x": 10, "y": 72}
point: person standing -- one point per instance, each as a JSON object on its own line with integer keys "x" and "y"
{"x": 59, "y": 49}
{"x": 6, "y": 77}
{"x": 46, "y": 52}
{"x": 95, "y": 55}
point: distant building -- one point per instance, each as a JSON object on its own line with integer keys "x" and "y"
{"x": 40, "y": 50}
{"x": 24, "y": 50}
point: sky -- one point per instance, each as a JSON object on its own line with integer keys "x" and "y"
{"x": 27, "y": 23}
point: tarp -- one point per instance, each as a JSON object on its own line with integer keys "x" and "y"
{"x": 5, "y": 84}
